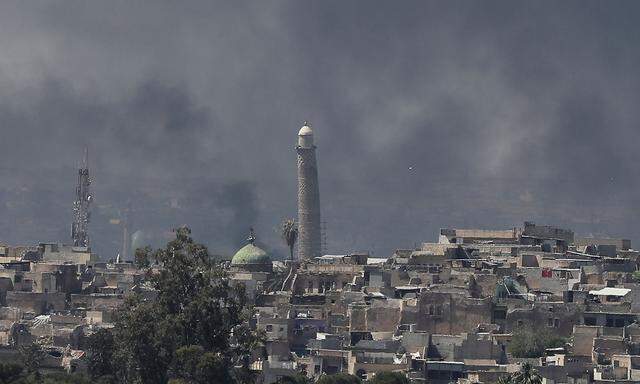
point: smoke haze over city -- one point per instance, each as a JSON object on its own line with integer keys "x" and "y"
{"x": 426, "y": 115}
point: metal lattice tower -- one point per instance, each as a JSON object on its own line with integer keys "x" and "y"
{"x": 81, "y": 214}
{"x": 309, "y": 232}
{"x": 125, "y": 215}
{"x": 324, "y": 247}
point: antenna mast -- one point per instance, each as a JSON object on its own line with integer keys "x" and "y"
{"x": 81, "y": 214}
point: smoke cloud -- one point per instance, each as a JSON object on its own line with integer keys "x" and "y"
{"x": 426, "y": 114}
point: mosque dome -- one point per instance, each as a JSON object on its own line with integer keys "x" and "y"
{"x": 251, "y": 254}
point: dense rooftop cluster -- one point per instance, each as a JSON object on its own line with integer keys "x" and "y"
{"x": 473, "y": 307}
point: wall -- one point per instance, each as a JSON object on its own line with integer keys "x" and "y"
{"x": 451, "y": 314}
{"x": 37, "y": 303}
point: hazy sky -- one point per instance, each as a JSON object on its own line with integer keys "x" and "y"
{"x": 505, "y": 110}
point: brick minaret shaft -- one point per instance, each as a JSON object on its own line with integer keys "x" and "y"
{"x": 308, "y": 196}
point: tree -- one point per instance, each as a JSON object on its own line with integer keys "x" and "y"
{"x": 142, "y": 258}
{"x": 296, "y": 379}
{"x": 339, "y": 378}
{"x": 526, "y": 375}
{"x": 197, "y": 366}
{"x": 195, "y": 331}
{"x": 14, "y": 374}
{"x": 100, "y": 347}
{"x": 290, "y": 235}
{"x": 31, "y": 356}
{"x": 506, "y": 379}
{"x": 527, "y": 343}
{"x": 389, "y": 378}
{"x": 9, "y": 372}
{"x": 66, "y": 378}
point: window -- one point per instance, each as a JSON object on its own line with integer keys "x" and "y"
{"x": 550, "y": 322}
{"x": 269, "y": 328}
{"x": 590, "y": 321}
{"x": 556, "y": 323}
{"x": 613, "y": 299}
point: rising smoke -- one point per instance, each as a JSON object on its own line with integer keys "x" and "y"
{"x": 503, "y": 110}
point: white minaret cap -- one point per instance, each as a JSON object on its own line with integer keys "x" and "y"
{"x": 305, "y": 130}
{"x": 305, "y": 136}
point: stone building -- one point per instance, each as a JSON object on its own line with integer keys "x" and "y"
{"x": 309, "y": 242}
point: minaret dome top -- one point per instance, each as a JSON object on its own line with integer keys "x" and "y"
{"x": 305, "y": 136}
{"x": 305, "y": 130}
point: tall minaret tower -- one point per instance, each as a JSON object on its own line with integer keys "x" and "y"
{"x": 309, "y": 239}
{"x": 81, "y": 215}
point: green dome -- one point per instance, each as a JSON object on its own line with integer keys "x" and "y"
{"x": 250, "y": 254}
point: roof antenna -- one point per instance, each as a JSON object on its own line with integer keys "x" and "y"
{"x": 85, "y": 159}
{"x": 252, "y": 236}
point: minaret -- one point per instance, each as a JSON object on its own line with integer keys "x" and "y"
{"x": 309, "y": 241}
{"x": 81, "y": 215}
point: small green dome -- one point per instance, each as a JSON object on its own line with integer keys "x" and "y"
{"x": 250, "y": 254}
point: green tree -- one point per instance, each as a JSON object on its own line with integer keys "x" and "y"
{"x": 100, "y": 347}
{"x": 526, "y": 343}
{"x": 195, "y": 365}
{"x": 290, "y": 235}
{"x": 339, "y": 378}
{"x": 506, "y": 379}
{"x": 389, "y": 378}
{"x": 526, "y": 375}
{"x": 142, "y": 258}
{"x": 12, "y": 374}
{"x": 9, "y": 372}
{"x": 195, "y": 331}
{"x": 31, "y": 356}
{"x": 65, "y": 378}
{"x": 296, "y": 379}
